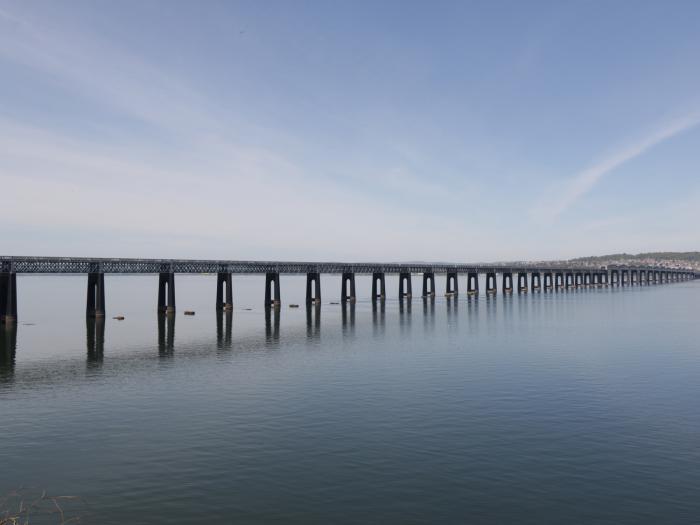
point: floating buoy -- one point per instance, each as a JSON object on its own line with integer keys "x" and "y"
{"x": 189, "y": 312}
{"x": 294, "y": 306}
{"x": 118, "y": 317}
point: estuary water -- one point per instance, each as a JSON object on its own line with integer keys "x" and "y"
{"x": 566, "y": 407}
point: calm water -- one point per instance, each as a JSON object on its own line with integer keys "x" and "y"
{"x": 543, "y": 408}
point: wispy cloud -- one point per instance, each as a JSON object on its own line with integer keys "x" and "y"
{"x": 584, "y": 181}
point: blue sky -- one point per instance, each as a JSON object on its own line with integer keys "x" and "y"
{"x": 460, "y": 131}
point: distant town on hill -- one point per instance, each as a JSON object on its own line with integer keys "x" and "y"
{"x": 668, "y": 259}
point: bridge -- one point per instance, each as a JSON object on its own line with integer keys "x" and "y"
{"x": 530, "y": 277}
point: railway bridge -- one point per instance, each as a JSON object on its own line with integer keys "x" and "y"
{"x": 521, "y": 278}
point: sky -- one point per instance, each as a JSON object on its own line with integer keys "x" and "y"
{"x": 356, "y": 131}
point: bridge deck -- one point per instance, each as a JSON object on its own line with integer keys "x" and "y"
{"x": 150, "y": 266}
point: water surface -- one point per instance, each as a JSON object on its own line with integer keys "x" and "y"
{"x": 573, "y": 407}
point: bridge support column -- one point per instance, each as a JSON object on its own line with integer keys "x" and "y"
{"x": 428, "y": 279}
{"x": 223, "y": 280}
{"x": 614, "y": 277}
{"x": 522, "y": 282}
{"x": 548, "y": 280}
{"x": 347, "y": 288}
{"x": 559, "y": 280}
{"x": 634, "y": 277}
{"x": 568, "y": 279}
{"x": 535, "y": 281}
{"x": 166, "y": 301}
{"x": 272, "y": 301}
{"x": 405, "y": 289}
{"x": 507, "y": 282}
{"x": 378, "y": 278}
{"x": 313, "y": 288}
{"x": 491, "y": 283}
{"x": 605, "y": 278}
{"x": 587, "y": 279}
{"x": 451, "y": 284}
{"x": 472, "y": 283}
{"x": 95, "y": 295}
{"x": 8, "y": 297}
{"x": 624, "y": 277}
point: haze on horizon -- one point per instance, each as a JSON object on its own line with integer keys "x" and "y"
{"x": 441, "y": 131}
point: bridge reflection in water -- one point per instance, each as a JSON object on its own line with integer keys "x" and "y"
{"x": 486, "y": 313}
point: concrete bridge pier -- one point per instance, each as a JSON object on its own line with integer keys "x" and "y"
{"x": 614, "y": 277}
{"x": 595, "y": 278}
{"x": 587, "y": 279}
{"x": 624, "y": 277}
{"x": 223, "y": 281}
{"x": 378, "y": 292}
{"x": 605, "y": 278}
{"x": 473, "y": 283}
{"x": 347, "y": 288}
{"x": 8, "y": 297}
{"x": 559, "y": 280}
{"x": 95, "y": 295}
{"x": 548, "y": 280}
{"x": 313, "y": 288}
{"x": 491, "y": 283}
{"x": 522, "y": 282}
{"x": 166, "y": 301}
{"x": 535, "y": 281}
{"x": 405, "y": 289}
{"x": 507, "y": 286}
{"x": 272, "y": 279}
{"x": 568, "y": 279}
{"x": 451, "y": 284}
{"x": 578, "y": 279}
{"x": 428, "y": 284}
{"x": 634, "y": 277}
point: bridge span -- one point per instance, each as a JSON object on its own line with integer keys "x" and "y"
{"x": 529, "y": 277}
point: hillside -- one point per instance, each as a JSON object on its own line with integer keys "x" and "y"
{"x": 670, "y": 259}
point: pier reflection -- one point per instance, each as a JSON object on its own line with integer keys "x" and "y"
{"x": 8, "y": 351}
{"x": 95, "y": 341}
{"x": 405, "y": 313}
{"x": 166, "y": 334}
{"x": 224, "y": 328}
{"x": 378, "y": 317}
{"x": 272, "y": 324}
{"x": 429, "y": 313}
{"x": 452, "y": 306}
{"x": 313, "y": 321}
{"x": 347, "y": 312}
